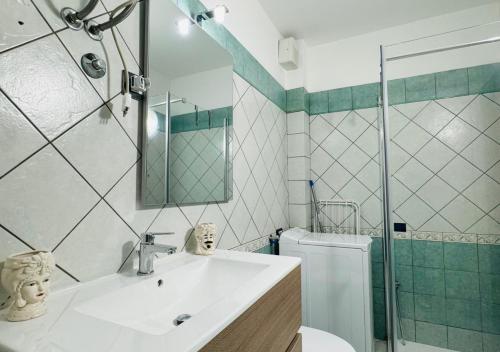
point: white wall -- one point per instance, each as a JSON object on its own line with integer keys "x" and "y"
{"x": 355, "y": 60}
{"x": 249, "y": 23}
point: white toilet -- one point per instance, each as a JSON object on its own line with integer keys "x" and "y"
{"x": 314, "y": 340}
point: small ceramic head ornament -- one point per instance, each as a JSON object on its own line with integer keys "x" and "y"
{"x": 26, "y": 276}
{"x": 205, "y": 238}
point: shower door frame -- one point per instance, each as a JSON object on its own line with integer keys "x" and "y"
{"x": 384, "y": 145}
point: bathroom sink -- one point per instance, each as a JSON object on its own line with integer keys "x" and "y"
{"x": 154, "y": 304}
{"x": 183, "y": 305}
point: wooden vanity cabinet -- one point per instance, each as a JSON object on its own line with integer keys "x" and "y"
{"x": 269, "y": 325}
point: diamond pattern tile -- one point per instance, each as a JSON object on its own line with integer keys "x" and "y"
{"x": 461, "y": 213}
{"x": 353, "y": 159}
{"x": 433, "y": 118}
{"x": 99, "y": 149}
{"x": 412, "y": 137}
{"x": 484, "y": 192}
{"x": 413, "y": 174}
{"x": 481, "y": 113}
{"x": 320, "y": 129}
{"x": 415, "y": 212}
{"x": 457, "y": 104}
{"x": 459, "y": 173}
{"x": 457, "y": 134}
{"x": 14, "y": 127}
{"x": 483, "y": 153}
{"x": 353, "y": 126}
{"x": 91, "y": 249}
{"x": 436, "y": 193}
{"x": 38, "y": 202}
{"x": 435, "y": 155}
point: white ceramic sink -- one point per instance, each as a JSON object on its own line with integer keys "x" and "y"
{"x": 153, "y": 304}
{"x": 125, "y": 312}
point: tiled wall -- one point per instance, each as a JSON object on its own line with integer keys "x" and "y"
{"x": 445, "y": 158}
{"x": 449, "y": 291}
{"x": 70, "y": 163}
{"x": 197, "y": 166}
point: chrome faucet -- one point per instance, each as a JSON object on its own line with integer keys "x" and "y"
{"x": 147, "y": 251}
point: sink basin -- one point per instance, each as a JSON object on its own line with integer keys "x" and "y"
{"x": 128, "y": 313}
{"x": 187, "y": 290}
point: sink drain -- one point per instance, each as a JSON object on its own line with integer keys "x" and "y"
{"x": 181, "y": 319}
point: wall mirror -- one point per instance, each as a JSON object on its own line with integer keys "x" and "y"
{"x": 187, "y": 116}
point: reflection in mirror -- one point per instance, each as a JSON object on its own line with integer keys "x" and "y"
{"x": 187, "y": 115}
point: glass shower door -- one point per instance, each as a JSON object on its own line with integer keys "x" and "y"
{"x": 442, "y": 191}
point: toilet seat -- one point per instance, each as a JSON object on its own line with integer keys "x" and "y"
{"x": 314, "y": 340}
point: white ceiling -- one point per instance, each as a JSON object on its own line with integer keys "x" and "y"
{"x": 322, "y": 21}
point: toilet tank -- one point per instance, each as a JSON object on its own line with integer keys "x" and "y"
{"x": 336, "y": 283}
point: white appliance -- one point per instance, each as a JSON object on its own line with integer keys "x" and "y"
{"x": 336, "y": 283}
{"x": 288, "y": 54}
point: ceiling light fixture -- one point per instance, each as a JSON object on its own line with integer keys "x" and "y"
{"x": 184, "y": 25}
{"x": 218, "y": 14}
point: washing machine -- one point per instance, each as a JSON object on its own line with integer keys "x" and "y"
{"x": 336, "y": 283}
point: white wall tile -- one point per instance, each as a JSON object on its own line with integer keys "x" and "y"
{"x": 55, "y": 100}
{"x": 97, "y": 246}
{"x": 99, "y": 149}
{"x": 20, "y": 23}
{"x": 43, "y": 199}
{"x": 297, "y": 122}
{"x": 14, "y": 128}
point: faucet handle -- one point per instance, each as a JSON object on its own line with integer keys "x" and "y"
{"x": 149, "y": 237}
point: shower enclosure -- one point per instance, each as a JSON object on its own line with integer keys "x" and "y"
{"x": 439, "y": 132}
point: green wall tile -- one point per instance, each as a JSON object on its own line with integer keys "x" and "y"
{"x": 428, "y": 254}
{"x": 462, "y": 284}
{"x": 428, "y": 281}
{"x": 420, "y": 88}
{"x": 340, "y": 99}
{"x": 403, "y": 252}
{"x": 318, "y": 103}
{"x": 404, "y": 275}
{"x": 465, "y": 340}
{"x": 377, "y": 250}
{"x": 452, "y": 83}
{"x": 295, "y": 100}
{"x": 491, "y": 342}
{"x": 378, "y": 275}
{"x": 379, "y": 326}
{"x": 490, "y": 287}
{"x": 431, "y": 334}
{"x": 307, "y": 102}
{"x": 406, "y": 305}
{"x": 463, "y": 314}
{"x": 365, "y": 96}
{"x": 484, "y": 78}
{"x": 378, "y": 301}
{"x": 430, "y": 308}
{"x": 491, "y": 317}
{"x": 408, "y": 326}
{"x": 460, "y": 256}
{"x": 397, "y": 91}
{"x": 489, "y": 258}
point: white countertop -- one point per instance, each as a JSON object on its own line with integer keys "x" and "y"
{"x": 65, "y": 329}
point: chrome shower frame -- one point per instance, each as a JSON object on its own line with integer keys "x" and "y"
{"x": 384, "y": 145}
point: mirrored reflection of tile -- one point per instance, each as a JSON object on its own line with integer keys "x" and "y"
{"x": 20, "y": 23}
{"x": 55, "y": 100}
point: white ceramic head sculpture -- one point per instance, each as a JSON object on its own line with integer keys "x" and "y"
{"x": 26, "y": 277}
{"x": 205, "y": 238}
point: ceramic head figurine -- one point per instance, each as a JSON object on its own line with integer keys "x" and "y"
{"x": 26, "y": 277}
{"x": 205, "y": 238}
